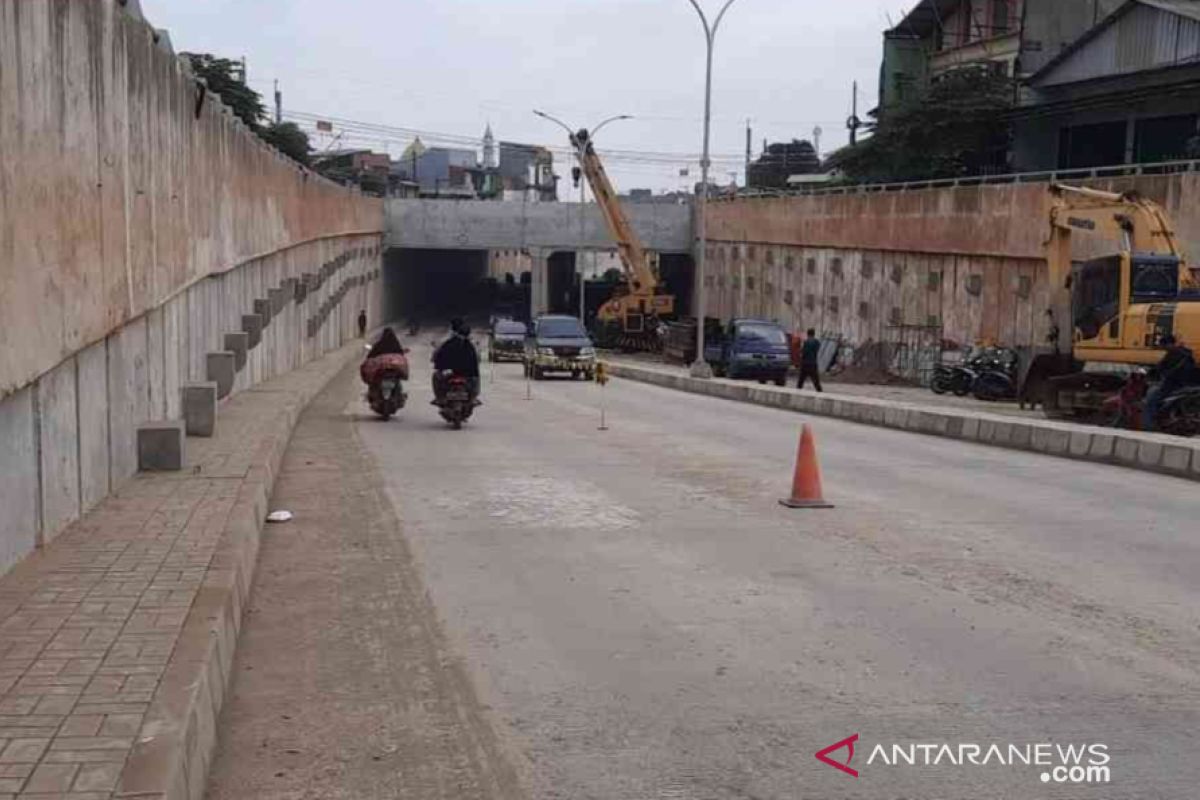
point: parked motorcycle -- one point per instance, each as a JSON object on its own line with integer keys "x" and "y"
{"x": 385, "y": 376}
{"x": 996, "y": 377}
{"x": 456, "y": 405}
{"x": 953, "y": 378}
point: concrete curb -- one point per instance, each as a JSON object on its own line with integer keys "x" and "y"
{"x": 1149, "y": 452}
{"x": 171, "y": 757}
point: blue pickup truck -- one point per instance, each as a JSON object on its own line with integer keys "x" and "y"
{"x": 754, "y": 349}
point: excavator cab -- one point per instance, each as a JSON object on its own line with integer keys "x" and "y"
{"x": 1119, "y": 302}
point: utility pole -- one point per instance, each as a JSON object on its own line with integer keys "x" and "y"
{"x": 853, "y": 123}
{"x": 278, "y": 104}
{"x": 748, "y": 138}
{"x": 817, "y": 131}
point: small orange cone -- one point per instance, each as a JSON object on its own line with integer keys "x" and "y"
{"x": 806, "y": 484}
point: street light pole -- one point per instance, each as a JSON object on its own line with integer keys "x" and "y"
{"x": 700, "y": 367}
{"x": 579, "y": 154}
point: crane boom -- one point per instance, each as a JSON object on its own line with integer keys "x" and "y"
{"x": 642, "y": 279}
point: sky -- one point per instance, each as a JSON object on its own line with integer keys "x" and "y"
{"x": 448, "y": 68}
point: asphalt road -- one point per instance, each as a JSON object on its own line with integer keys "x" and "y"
{"x": 635, "y": 616}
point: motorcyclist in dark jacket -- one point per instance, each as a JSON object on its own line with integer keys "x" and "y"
{"x": 456, "y": 355}
{"x": 1176, "y": 370}
{"x": 388, "y": 344}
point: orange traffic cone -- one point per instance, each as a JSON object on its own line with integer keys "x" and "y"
{"x": 806, "y": 484}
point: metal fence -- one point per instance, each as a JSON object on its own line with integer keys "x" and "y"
{"x": 1119, "y": 171}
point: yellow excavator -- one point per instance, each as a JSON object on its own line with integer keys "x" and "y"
{"x": 1120, "y": 305}
{"x": 629, "y": 319}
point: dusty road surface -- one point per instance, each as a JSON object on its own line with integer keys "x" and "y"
{"x": 630, "y": 614}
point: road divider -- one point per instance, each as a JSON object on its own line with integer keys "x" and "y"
{"x": 1151, "y": 452}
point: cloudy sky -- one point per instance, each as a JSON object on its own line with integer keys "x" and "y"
{"x": 450, "y": 67}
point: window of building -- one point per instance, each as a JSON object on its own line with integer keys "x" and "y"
{"x": 1163, "y": 138}
{"x": 1098, "y": 145}
{"x": 1001, "y": 16}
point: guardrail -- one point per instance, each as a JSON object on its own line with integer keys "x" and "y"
{"x": 1118, "y": 171}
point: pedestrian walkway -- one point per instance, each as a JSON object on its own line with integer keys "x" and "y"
{"x": 91, "y": 624}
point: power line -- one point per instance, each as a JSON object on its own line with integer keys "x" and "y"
{"x": 379, "y": 133}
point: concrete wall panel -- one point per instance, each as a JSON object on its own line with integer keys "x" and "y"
{"x": 59, "y": 449}
{"x": 92, "y": 399}
{"x": 19, "y": 478}
{"x": 128, "y": 397}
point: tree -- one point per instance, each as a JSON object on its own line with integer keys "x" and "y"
{"x": 782, "y": 160}
{"x": 289, "y": 139}
{"x": 225, "y": 77}
{"x": 959, "y": 127}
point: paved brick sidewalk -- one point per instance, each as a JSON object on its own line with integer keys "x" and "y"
{"x": 89, "y": 626}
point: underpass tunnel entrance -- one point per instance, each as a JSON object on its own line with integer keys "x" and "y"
{"x": 432, "y": 286}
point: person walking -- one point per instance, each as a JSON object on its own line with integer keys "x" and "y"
{"x": 810, "y": 356}
{"x": 362, "y": 324}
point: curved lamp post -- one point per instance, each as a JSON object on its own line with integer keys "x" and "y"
{"x": 700, "y": 367}
{"x": 579, "y": 155}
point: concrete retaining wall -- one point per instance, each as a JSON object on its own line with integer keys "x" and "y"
{"x": 1150, "y": 452}
{"x": 894, "y": 275}
{"x": 139, "y": 220}
{"x": 70, "y": 437}
{"x": 121, "y": 183}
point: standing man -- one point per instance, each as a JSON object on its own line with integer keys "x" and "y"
{"x": 362, "y": 324}
{"x": 810, "y": 367}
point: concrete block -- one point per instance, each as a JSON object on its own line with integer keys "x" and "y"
{"x": 238, "y": 344}
{"x": 1103, "y": 446}
{"x": 1177, "y": 458}
{"x": 160, "y": 446}
{"x": 1150, "y": 453}
{"x": 1126, "y": 449}
{"x": 221, "y": 369}
{"x": 252, "y": 326}
{"x": 277, "y": 299}
{"x": 301, "y": 291}
{"x": 954, "y": 427}
{"x": 987, "y": 430}
{"x": 289, "y": 288}
{"x": 18, "y": 478}
{"x": 92, "y": 402}
{"x": 1045, "y": 439}
{"x": 970, "y": 428}
{"x": 263, "y": 309}
{"x": 1081, "y": 443}
{"x": 895, "y": 417}
{"x": 59, "y": 446}
{"x": 200, "y": 408}
{"x": 1020, "y": 435}
{"x": 1196, "y": 463}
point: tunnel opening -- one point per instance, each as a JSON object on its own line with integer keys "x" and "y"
{"x": 432, "y": 286}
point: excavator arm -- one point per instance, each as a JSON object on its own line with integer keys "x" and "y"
{"x": 642, "y": 280}
{"x": 1139, "y": 224}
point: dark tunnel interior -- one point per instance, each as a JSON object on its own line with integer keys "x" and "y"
{"x": 432, "y": 286}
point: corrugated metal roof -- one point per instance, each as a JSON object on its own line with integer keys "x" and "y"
{"x": 1184, "y": 8}
{"x": 1141, "y": 35}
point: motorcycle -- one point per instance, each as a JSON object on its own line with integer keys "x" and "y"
{"x": 956, "y": 379}
{"x": 456, "y": 405}
{"x": 997, "y": 375}
{"x": 1179, "y": 414}
{"x": 385, "y": 376}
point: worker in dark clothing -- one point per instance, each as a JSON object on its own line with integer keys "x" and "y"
{"x": 810, "y": 355}
{"x": 1176, "y": 370}
{"x": 456, "y": 356}
{"x": 362, "y": 324}
{"x": 388, "y": 343}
